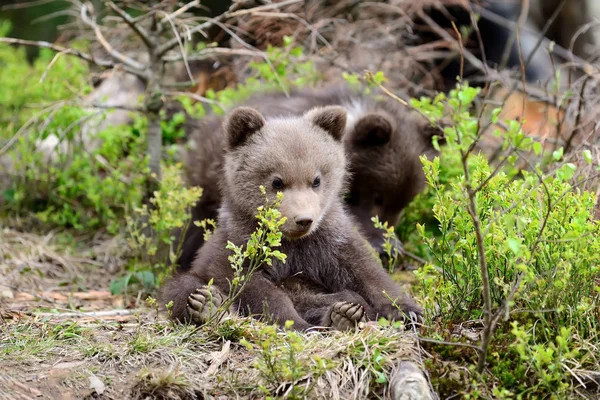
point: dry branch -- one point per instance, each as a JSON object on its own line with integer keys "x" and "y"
{"x": 60, "y": 49}
{"x": 135, "y": 26}
{"x": 87, "y": 16}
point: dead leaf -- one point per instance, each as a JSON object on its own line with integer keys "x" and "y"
{"x": 97, "y": 384}
{"x": 218, "y": 358}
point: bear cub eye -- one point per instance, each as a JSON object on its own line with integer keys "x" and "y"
{"x": 277, "y": 184}
{"x": 317, "y": 182}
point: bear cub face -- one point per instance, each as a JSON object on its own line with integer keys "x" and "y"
{"x": 383, "y": 149}
{"x": 309, "y": 187}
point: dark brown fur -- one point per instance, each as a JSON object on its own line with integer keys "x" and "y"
{"x": 383, "y": 141}
{"x": 328, "y": 257}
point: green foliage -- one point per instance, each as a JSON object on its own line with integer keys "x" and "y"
{"x": 420, "y": 209}
{"x": 172, "y": 129}
{"x": 283, "y": 362}
{"x": 80, "y": 188}
{"x": 151, "y": 231}
{"x": 83, "y": 189}
{"x": 258, "y": 251}
{"x": 392, "y": 252}
{"x": 24, "y": 90}
{"x": 540, "y": 245}
{"x": 283, "y": 69}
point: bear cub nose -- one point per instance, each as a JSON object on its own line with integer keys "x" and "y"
{"x": 303, "y": 221}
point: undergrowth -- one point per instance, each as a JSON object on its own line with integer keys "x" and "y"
{"x": 516, "y": 250}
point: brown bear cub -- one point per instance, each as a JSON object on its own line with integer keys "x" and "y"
{"x": 330, "y": 277}
{"x": 383, "y": 141}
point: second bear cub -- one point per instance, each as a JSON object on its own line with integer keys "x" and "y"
{"x": 304, "y": 158}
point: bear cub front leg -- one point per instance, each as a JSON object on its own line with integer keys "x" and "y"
{"x": 204, "y": 303}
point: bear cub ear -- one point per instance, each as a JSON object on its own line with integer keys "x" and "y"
{"x": 372, "y": 130}
{"x": 242, "y": 123}
{"x": 429, "y": 131}
{"x": 332, "y": 119}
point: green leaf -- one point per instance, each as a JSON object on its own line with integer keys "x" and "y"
{"x": 537, "y": 148}
{"x": 557, "y": 154}
{"x": 514, "y": 245}
{"x": 587, "y": 156}
{"x": 118, "y": 286}
{"x": 146, "y": 278}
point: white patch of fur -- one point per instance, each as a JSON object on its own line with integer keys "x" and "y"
{"x": 355, "y": 110}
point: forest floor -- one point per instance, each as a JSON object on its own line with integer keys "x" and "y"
{"x": 63, "y": 335}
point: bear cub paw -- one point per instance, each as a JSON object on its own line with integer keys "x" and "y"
{"x": 345, "y": 316}
{"x": 203, "y": 304}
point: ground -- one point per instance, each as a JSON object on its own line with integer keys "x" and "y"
{"x": 64, "y": 336}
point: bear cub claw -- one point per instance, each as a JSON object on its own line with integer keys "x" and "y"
{"x": 203, "y": 303}
{"x": 345, "y": 316}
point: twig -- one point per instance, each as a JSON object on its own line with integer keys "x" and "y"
{"x": 196, "y": 97}
{"x": 141, "y": 32}
{"x": 23, "y": 128}
{"x": 161, "y": 50}
{"x": 467, "y": 54}
{"x": 182, "y": 49}
{"x": 88, "y": 19}
{"x": 177, "y": 13}
{"x": 25, "y": 5}
{"x": 54, "y": 59}
{"x": 458, "y": 344}
{"x": 60, "y": 49}
{"x": 214, "y": 51}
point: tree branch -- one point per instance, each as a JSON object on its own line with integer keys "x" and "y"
{"x": 140, "y": 31}
{"x": 60, "y": 49}
{"x": 87, "y": 18}
{"x": 171, "y": 44}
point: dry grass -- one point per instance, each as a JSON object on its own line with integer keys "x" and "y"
{"x": 56, "y": 339}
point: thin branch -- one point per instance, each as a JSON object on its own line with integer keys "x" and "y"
{"x": 88, "y": 19}
{"x": 60, "y": 49}
{"x": 234, "y": 11}
{"x": 458, "y": 344}
{"x": 140, "y": 31}
{"x": 182, "y": 48}
{"x": 27, "y": 124}
{"x": 175, "y": 14}
{"x": 466, "y": 54}
{"x": 25, "y": 5}
{"x": 209, "y": 53}
{"x": 197, "y": 98}
{"x": 54, "y": 59}
{"x": 171, "y": 44}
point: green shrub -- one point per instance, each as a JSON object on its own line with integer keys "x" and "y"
{"x": 533, "y": 234}
{"x": 151, "y": 232}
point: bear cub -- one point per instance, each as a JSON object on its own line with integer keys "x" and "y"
{"x": 383, "y": 141}
{"x": 330, "y": 277}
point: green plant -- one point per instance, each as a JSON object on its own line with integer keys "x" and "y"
{"x": 513, "y": 245}
{"x": 83, "y": 189}
{"x": 283, "y": 362}
{"x": 151, "y": 231}
{"x": 392, "y": 252}
{"x": 281, "y": 69}
{"x": 258, "y": 251}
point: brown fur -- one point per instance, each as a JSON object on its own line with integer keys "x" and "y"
{"x": 383, "y": 141}
{"x": 329, "y": 257}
